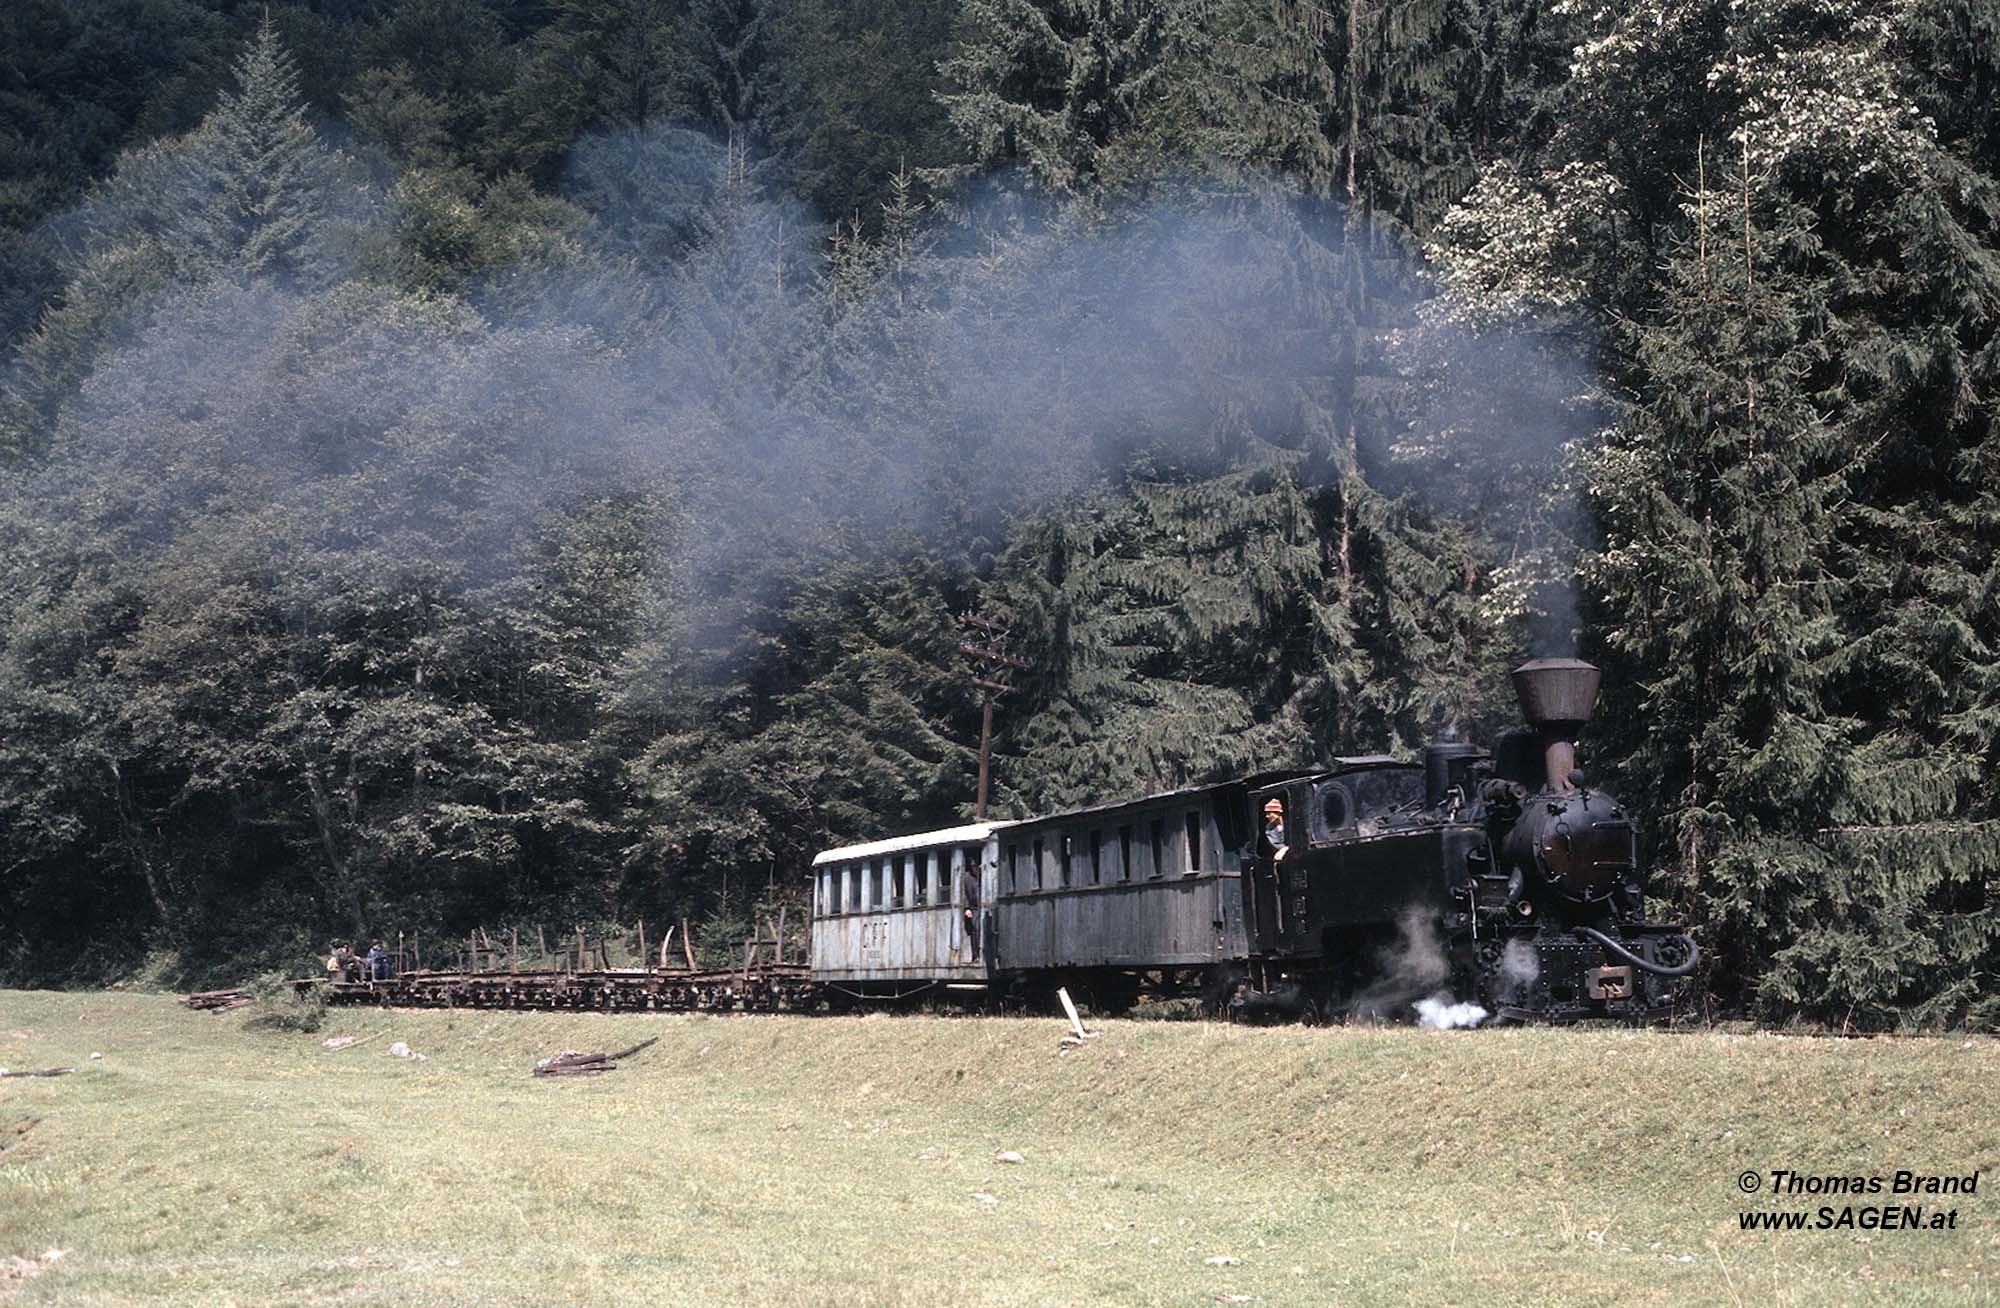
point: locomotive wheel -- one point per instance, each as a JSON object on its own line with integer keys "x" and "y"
{"x": 1218, "y": 987}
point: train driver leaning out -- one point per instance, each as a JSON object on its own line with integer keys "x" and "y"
{"x": 1273, "y": 839}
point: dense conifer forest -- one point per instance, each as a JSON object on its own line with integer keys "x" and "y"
{"x": 496, "y": 461}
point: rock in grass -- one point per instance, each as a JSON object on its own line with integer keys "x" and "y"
{"x": 1009, "y": 1157}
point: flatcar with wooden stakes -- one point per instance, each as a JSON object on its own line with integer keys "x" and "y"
{"x": 1501, "y": 878}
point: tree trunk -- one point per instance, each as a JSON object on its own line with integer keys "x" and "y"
{"x": 1353, "y": 100}
{"x": 135, "y": 842}
{"x": 347, "y": 891}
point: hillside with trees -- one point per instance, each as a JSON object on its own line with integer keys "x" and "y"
{"x": 470, "y": 462}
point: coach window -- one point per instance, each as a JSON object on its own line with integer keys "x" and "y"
{"x": 1159, "y": 850}
{"x": 1013, "y": 869}
{"x": 1124, "y": 853}
{"x": 1194, "y": 840}
{"x": 1096, "y": 858}
{"x": 898, "y": 875}
{"x": 1064, "y": 875}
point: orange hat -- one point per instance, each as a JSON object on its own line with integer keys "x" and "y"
{"x": 1274, "y": 806}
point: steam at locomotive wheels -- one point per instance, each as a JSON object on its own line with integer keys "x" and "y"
{"x": 1500, "y": 879}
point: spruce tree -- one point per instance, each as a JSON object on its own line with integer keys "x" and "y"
{"x": 262, "y": 180}
{"x": 1366, "y": 102}
{"x": 246, "y": 195}
{"x": 851, "y": 101}
{"x": 599, "y": 63}
{"x": 1068, "y": 90}
{"x": 730, "y": 68}
{"x": 1721, "y": 503}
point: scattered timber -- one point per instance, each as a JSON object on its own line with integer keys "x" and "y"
{"x": 43, "y": 1071}
{"x": 217, "y": 1001}
{"x": 1077, "y": 1035}
{"x": 571, "y": 1063}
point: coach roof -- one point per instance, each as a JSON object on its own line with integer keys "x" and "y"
{"x": 971, "y": 833}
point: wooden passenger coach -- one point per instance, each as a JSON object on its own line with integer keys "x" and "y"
{"x": 905, "y": 914}
{"x": 1149, "y": 883}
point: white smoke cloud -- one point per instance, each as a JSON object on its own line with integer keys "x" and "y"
{"x": 1520, "y": 966}
{"x": 1436, "y": 1015}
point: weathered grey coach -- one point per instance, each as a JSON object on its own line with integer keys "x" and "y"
{"x": 905, "y": 914}
{"x": 1112, "y": 900}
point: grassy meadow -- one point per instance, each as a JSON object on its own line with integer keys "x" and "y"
{"x": 856, "y": 1161}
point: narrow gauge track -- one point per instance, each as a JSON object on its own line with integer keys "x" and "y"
{"x": 771, "y": 988}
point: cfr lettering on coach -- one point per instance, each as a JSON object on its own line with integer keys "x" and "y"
{"x": 874, "y": 940}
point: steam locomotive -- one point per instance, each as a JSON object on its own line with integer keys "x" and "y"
{"x": 1501, "y": 879}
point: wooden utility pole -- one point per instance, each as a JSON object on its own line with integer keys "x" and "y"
{"x": 991, "y": 666}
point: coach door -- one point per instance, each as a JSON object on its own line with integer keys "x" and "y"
{"x": 968, "y": 901}
{"x": 952, "y": 862}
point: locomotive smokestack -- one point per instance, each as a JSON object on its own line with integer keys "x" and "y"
{"x": 1556, "y": 698}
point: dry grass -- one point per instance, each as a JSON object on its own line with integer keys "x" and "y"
{"x": 775, "y": 1161}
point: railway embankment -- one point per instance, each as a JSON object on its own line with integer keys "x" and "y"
{"x": 971, "y": 1161}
